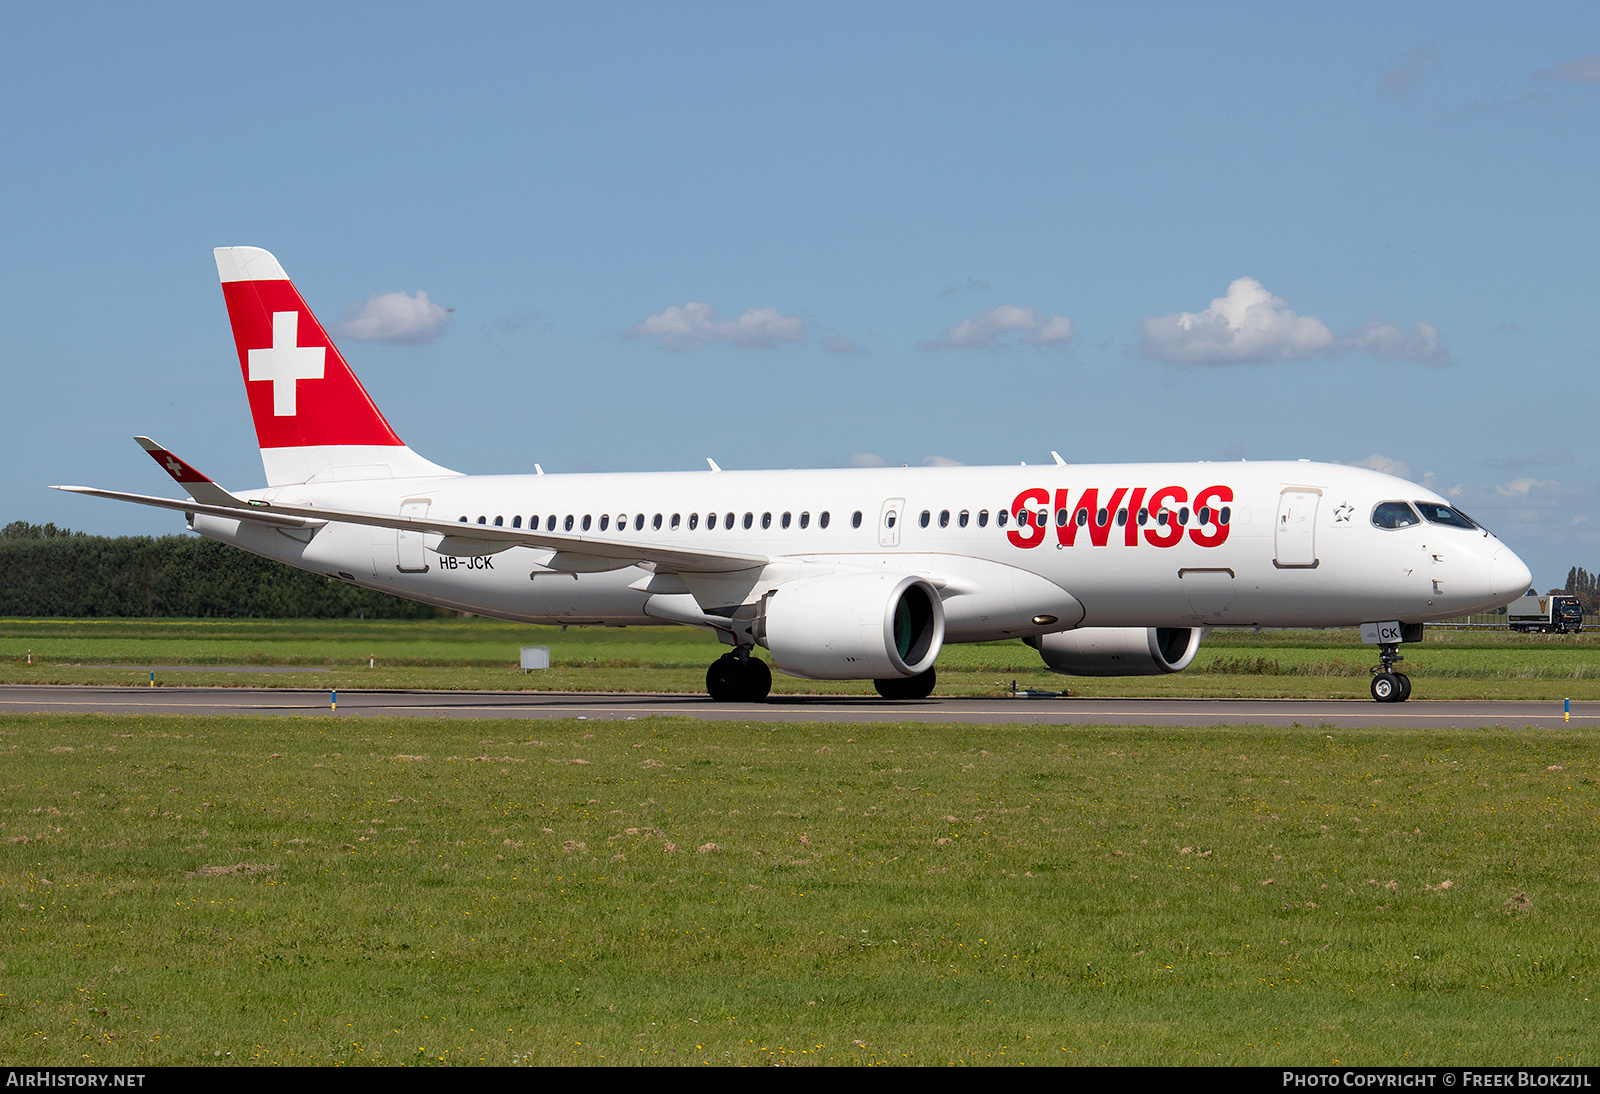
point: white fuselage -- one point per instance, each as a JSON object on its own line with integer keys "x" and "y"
{"x": 1299, "y": 547}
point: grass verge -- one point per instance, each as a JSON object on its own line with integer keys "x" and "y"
{"x": 343, "y": 890}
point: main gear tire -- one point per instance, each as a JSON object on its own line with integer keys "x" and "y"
{"x": 725, "y": 679}
{"x": 919, "y": 686}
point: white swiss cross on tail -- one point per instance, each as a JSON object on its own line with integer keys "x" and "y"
{"x": 285, "y": 363}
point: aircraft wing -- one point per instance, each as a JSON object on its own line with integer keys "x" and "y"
{"x": 627, "y": 552}
{"x": 213, "y": 500}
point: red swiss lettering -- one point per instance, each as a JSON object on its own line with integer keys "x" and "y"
{"x": 1131, "y": 532}
{"x": 1031, "y": 534}
{"x": 1212, "y": 497}
{"x": 1159, "y": 535}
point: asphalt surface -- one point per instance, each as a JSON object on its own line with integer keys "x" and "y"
{"x": 1419, "y": 714}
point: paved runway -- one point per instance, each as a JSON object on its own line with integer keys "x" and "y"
{"x": 606, "y": 706}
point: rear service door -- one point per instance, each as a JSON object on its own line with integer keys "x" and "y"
{"x": 408, "y": 543}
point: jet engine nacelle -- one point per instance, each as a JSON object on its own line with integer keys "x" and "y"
{"x": 1119, "y": 651}
{"x": 854, "y": 626}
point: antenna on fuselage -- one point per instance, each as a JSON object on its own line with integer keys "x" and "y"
{"x": 537, "y": 470}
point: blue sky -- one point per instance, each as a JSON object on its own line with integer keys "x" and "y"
{"x": 811, "y": 235}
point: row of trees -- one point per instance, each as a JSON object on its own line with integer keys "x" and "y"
{"x": 50, "y": 571}
{"x": 1586, "y": 587}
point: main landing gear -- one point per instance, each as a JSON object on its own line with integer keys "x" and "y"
{"x": 919, "y": 686}
{"x": 738, "y": 678}
{"x": 1389, "y": 686}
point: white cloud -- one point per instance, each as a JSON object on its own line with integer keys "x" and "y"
{"x": 1388, "y": 341}
{"x": 695, "y": 325}
{"x": 866, "y": 459}
{"x": 1398, "y": 81}
{"x": 1581, "y": 69}
{"x": 1248, "y": 325}
{"x": 412, "y": 320}
{"x": 834, "y": 344}
{"x": 987, "y": 327}
{"x": 1375, "y": 462}
{"x": 1251, "y": 326}
{"x": 941, "y": 461}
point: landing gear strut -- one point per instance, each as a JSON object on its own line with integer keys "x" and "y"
{"x": 1389, "y": 686}
{"x": 738, "y": 678}
{"x": 919, "y": 686}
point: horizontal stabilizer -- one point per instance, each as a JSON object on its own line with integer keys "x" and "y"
{"x": 200, "y": 487}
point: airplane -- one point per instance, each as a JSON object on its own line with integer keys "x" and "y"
{"x": 846, "y": 574}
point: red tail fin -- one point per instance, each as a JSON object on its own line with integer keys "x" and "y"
{"x": 312, "y": 415}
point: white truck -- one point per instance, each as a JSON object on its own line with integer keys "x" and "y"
{"x": 1552, "y": 613}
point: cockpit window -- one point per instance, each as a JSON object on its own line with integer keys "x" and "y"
{"x": 1394, "y": 514}
{"x": 1443, "y": 514}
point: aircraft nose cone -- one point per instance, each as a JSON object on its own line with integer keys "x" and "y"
{"x": 1508, "y": 574}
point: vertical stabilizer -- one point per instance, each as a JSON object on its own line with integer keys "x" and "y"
{"x": 314, "y": 420}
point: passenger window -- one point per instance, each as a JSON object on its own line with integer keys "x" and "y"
{"x": 1203, "y": 514}
{"x": 586, "y": 522}
{"x": 983, "y": 518}
{"x": 1061, "y": 518}
{"x": 605, "y": 521}
{"x": 483, "y": 520}
{"x": 655, "y": 523}
{"x": 1161, "y": 517}
{"x": 925, "y": 518}
{"x": 1144, "y": 517}
{"x": 822, "y": 519}
{"x": 786, "y": 520}
{"x": 1000, "y": 519}
{"x": 463, "y": 520}
{"x": 694, "y": 521}
{"x": 1102, "y": 518}
{"x": 855, "y": 519}
{"x": 499, "y": 522}
{"x": 727, "y": 521}
{"x": 766, "y": 520}
{"x": 568, "y": 522}
{"x": 1083, "y": 517}
{"x": 711, "y": 522}
{"x": 516, "y": 522}
{"x": 1225, "y": 516}
{"x": 805, "y": 519}
{"x": 1394, "y": 514}
{"x": 1122, "y": 518}
{"x": 549, "y": 524}
{"x": 638, "y": 522}
{"x": 1044, "y": 518}
{"x": 749, "y": 519}
{"x": 944, "y": 518}
{"x": 962, "y": 519}
{"x": 674, "y": 522}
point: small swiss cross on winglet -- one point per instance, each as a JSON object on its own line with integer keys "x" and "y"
{"x": 201, "y": 488}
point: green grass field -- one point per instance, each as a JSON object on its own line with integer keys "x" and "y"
{"x": 480, "y": 653}
{"x": 351, "y": 890}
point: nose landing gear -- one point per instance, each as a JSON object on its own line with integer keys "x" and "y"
{"x": 1389, "y": 686}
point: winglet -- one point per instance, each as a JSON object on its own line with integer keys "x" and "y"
{"x": 713, "y": 464}
{"x": 1054, "y": 455}
{"x": 200, "y": 488}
